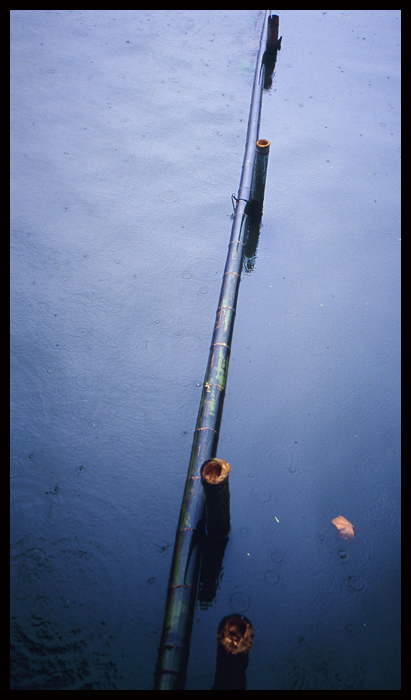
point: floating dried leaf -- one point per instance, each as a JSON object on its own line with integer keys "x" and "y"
{"x": 345, "y": 528}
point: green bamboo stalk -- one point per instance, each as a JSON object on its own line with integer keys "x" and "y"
{"x": 174, "y": 647}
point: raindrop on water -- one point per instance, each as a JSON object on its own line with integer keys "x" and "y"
{"x": 261, "y": 494}
{"x": 240, "y": 602}
{"x": 168, "y": 196}
{"x": 277, "y": 557}
{"x": 271, "y": 577}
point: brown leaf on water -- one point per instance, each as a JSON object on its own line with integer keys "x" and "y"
{"x": 345, "y": 528}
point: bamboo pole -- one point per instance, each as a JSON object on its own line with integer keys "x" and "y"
{"x": 273, "y": 42}
{"x": 214, "y": 478}
{"x": 273, "y": 45}
{"x": 170, "y": 673}
{"x": 262, "y": 149}
{"x": 234, "y": 640}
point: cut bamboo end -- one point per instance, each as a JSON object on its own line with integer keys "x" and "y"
{"x": 263, "y": 146}
{"x": 215, "y": 471}
{"x": 214, "y": 478}
{"x": 235, "y": 634}
{"x": 234, "y": 640}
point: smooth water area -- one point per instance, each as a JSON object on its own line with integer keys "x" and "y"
{"x": 127, "y": 139}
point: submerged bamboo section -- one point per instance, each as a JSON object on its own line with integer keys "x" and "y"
{"x": 174, "y": 647}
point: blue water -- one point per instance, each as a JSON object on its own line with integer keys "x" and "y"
{"x": 127, "y": 138}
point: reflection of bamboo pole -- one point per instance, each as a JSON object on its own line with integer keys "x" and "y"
{"x": 234, "y": 641}
{"x": 214, "y": 477}
{"x": 212, "y": 555}
{"x": 175, "y": 640}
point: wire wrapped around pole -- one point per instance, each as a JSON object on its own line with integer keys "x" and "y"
{"x": 174, "y": 646}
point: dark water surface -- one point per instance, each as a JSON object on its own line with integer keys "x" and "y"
{"x": 127, "y": 139}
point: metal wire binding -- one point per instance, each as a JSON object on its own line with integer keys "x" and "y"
{"x": 236, "y": 200}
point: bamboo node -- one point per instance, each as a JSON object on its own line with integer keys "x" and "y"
{"x": 232, "y": 272}
{"x": 210, "y": 384}
{"x": 226, "y": 307}
{"x": 187, "y": 529}
{"x": 223, "y": 344}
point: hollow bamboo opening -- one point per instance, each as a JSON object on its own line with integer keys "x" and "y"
{"x": 235, "y": 634}
{"x": 215, "y": 471}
